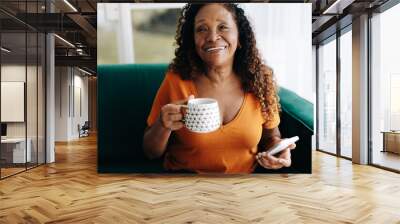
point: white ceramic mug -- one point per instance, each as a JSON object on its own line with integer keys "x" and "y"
{"x": 202, "y": 115}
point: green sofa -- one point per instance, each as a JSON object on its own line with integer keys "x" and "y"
{"x": 125, "y": 96}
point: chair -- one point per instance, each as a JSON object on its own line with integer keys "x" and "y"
{"x": 84, "y": 130}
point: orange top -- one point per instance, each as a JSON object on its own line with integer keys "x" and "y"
{"x": 229, "y": 149}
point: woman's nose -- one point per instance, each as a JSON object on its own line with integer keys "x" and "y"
{"x": 213, "y": 36}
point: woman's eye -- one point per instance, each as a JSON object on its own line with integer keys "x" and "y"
{"x": 201, "y": 29}
{"x": 223, "y": 27}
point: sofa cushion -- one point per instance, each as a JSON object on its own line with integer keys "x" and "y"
{"x": 125, "y": 96}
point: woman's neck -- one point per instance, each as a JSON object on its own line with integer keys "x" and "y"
{"x": 217, "y": 76}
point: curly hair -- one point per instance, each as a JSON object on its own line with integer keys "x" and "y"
{"x": 255, "y": 76}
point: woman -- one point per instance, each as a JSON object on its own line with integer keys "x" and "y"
{"x": 216, "y": 57}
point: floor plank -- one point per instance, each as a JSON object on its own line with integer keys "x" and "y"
{"x": 71, "y": 191}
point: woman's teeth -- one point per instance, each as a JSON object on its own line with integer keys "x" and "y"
{"x": 215, "y": 49}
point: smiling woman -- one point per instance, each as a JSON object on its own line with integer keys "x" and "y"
{"x": 216, "y": 57}
{"x": 216, "y": 35}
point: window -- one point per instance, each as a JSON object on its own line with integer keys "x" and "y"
{"x": 22, "y": 74}
{"x": 394, "y": 102}
{"x": 346, "y": 94}
{"x": 145, "y": 35}
{"x": 158, "y": 27}
{"x": 327, "y": 97}
{"x": 385, "y": 88}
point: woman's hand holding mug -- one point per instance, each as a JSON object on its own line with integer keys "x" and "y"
{"x": 171, "y": 114}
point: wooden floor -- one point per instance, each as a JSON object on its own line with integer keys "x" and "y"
{"x": 8, "y": 171}
{"x": 5, "y": 172}
{"x": 387, "y": 159}
{"x": 71, "y": 191}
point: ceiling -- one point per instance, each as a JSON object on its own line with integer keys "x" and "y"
{"x": 78, "y": 27}
{"x": 77, "y": 23}
{"x": 332, "y": 15}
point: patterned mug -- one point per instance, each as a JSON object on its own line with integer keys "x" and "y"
{"x": 202, "y": 115}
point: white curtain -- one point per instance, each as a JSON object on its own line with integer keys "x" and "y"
{"x": 283, "y": 34}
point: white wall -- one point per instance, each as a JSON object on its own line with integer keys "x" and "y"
{"x": 12, "y": 101}
{"x": 12, "y": 73}
{"x": 33, "y": 126}
{"x": 61, "y": 103}
{"x": 70, "y": 83}
{"x": 80, "y": 84}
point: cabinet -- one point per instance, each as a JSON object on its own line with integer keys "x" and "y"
{"x": 391, "y": 141}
